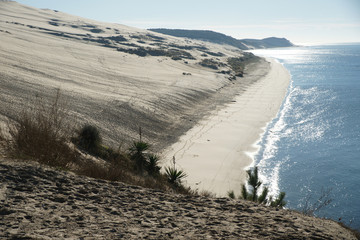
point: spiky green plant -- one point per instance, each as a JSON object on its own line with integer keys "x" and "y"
{"x": 231, "y": 194}
{"x": 174, "y": 175}
{"x": 137, "y": 154}
{"x": 252, "y": 195}
{"x": 152, "y": 165}
{"x": 279, "y": 201}
{"x": 262, "y": 197}
{"x": 254, "y": 182}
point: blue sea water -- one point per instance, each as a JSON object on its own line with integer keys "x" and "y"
{"x": 313, "y": 145}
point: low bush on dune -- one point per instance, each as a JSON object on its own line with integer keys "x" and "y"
{"x": 89, "y": 139}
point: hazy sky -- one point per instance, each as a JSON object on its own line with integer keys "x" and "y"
{"x": 301, "y": 21}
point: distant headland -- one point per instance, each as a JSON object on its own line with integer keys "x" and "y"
{"x": 220, "y": 38}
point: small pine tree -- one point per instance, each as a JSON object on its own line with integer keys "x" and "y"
{"x": 255, "y": 183}
{"x": 279, "y": 201}
{"x": 231, "y": 194}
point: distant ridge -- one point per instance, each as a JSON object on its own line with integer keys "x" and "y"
{"x": 215, "y": 37}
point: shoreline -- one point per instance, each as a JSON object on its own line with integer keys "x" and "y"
{"x": 212, "y": 153}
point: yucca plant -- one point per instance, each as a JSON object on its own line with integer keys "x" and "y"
{"x": 152, "y": 164}
{"x": 174, "y": 175}
{"x": 137, "y": 154}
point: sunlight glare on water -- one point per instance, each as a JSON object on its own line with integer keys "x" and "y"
{"x": 314, "y": 142}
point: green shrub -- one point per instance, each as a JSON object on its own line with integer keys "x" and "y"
{"x": 89, "y": 139}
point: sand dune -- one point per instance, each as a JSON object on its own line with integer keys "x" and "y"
{"x": 120, "y": 78}
{"x": 100, "y": 68}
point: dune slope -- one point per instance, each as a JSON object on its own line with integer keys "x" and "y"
{"x": 47, "y": 204}
{"x": 115, "y": 77}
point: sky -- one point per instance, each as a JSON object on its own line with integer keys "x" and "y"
{"x": 303, "y": 22}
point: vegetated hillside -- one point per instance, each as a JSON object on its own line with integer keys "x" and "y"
{"x": 215, "y": 37}
{"x": 115, "y": 77}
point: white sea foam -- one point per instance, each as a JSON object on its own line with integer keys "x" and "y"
{"x": 276, "y": 130}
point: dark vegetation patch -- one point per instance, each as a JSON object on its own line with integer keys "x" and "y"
{"x": 117, "y": 38}
{"x": 225, "y": 72}
{"x": 188, "y": 47}
{"x": 238, "y": 64}
{"x": 211, "y": 63}
{"x": 129, "y": 44}
{"x": 16, "y": 23}
{"x": 5, "y": 31}
{"x": 88, "y": 26}
{"x": 157, "y": 38}
{"x": 96, "y": 30}
{"x": 148, "y": 37}
{"x": 218, "y": 54}
{"x": 175, "y": 54}
{"x": 54, "y": 23}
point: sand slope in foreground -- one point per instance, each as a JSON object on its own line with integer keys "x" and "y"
{"x": 46, "y": 204}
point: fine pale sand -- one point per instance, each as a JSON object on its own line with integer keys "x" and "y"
{"x": 216, "y": 152}
{"x": 48, "y": 204}
{"x": 110, "y": 87}
{"x": 106, "y": 83}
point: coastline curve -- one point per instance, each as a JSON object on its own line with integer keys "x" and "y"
{"x": 215, "y": 152}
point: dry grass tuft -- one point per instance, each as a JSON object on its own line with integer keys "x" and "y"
{"x": 41, "y": 132}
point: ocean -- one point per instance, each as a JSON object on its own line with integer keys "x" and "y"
{"x": 311, "y": 150}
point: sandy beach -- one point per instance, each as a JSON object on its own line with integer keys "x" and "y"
{"x": 216, "y": 152}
